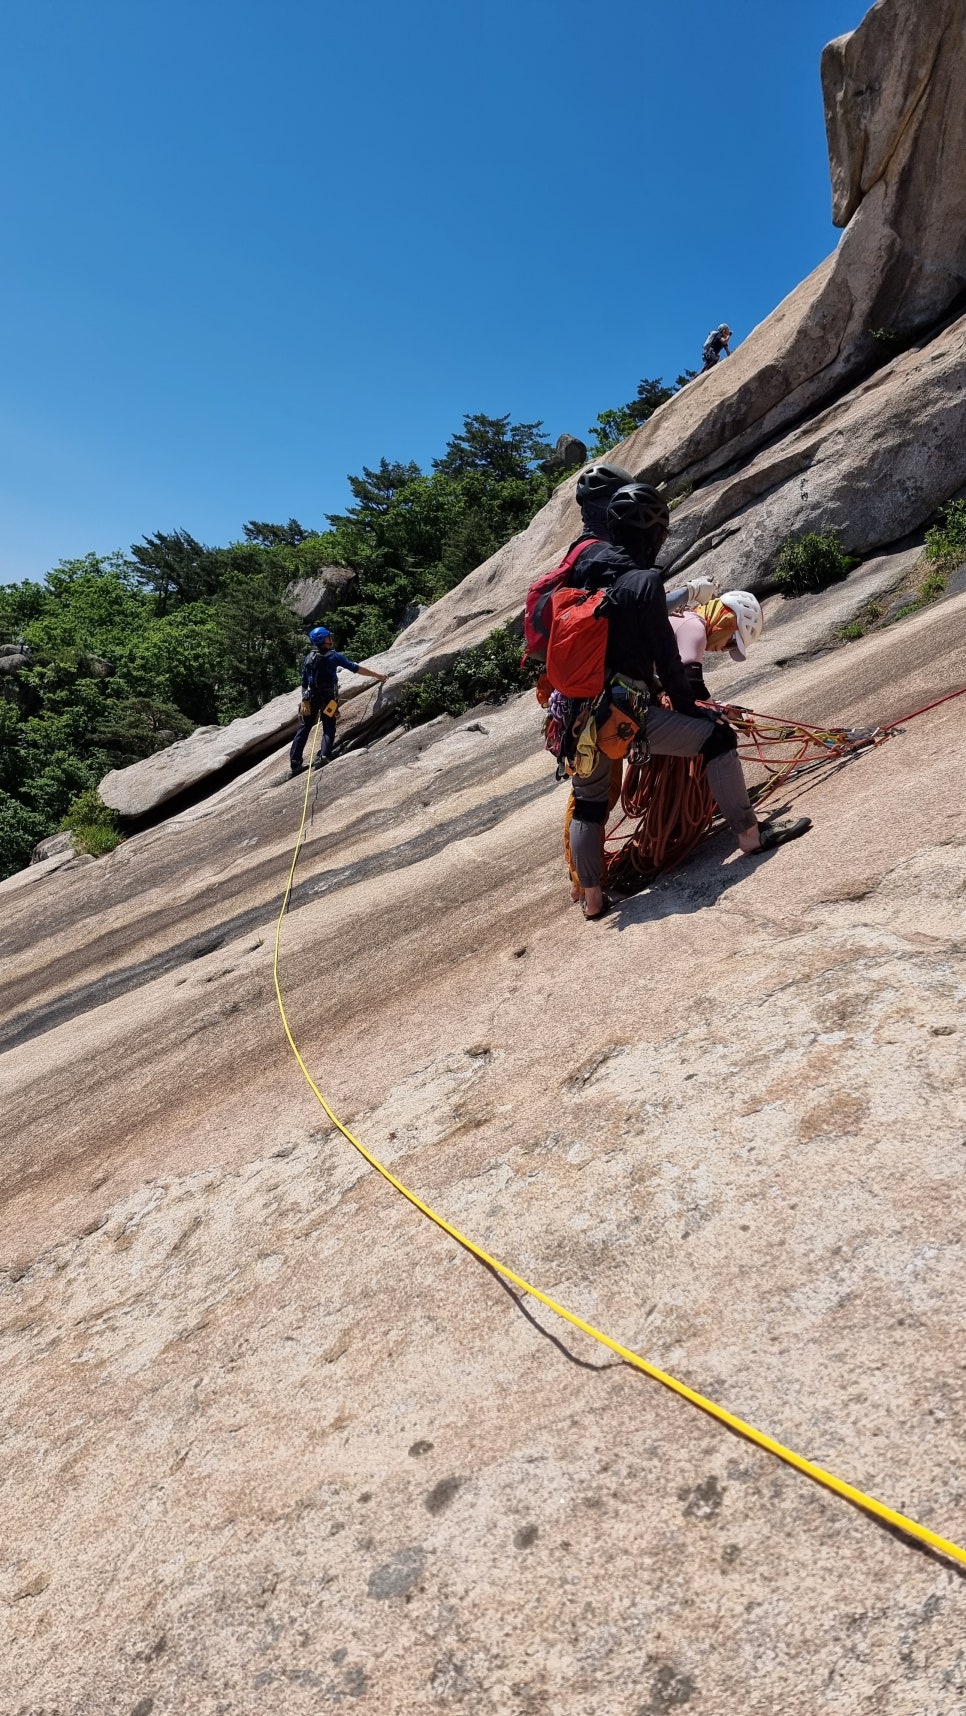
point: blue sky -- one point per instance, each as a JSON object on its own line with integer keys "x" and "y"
{"x": 251, "y": 247}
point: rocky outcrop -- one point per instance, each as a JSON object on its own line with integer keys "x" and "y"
{"x": 310, "y": 598}
{"x": 567, "y": 455}
{"x": 897, "y": 143}
{"x": 55, "y": 846}
{"x": 14, "y": 658}
{"x": 141, "y": 788}
{"x": 873, "y": 466}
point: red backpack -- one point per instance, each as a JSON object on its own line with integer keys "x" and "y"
{"x": 578, "y": 643}
{"x": 536, "y": 614}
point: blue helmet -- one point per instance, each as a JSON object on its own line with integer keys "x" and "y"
{"x": 318, "y": 635}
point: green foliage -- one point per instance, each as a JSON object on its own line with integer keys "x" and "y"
{"x": 812, "y": 562}
{"x": 932, "y": 586}
{"x": 411, "y": 536}
{"x": 121, "y": 667}
{"x": 95, "y": 827}
{"x": 620, "y": 421}
{"x": 867, "y": 617}
{"x": 495, "y": 448}
{"x": 20, "y": 830}
{"x": 289, "y": 535}
{"x": 891, "y": 341}
{"x": 946, "y": 541}
{"x": 487, "y": 674}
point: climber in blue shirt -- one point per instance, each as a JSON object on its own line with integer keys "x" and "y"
{"x": 320, "y": 693}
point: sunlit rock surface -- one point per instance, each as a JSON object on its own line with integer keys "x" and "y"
{"x": 274, "y": 1443}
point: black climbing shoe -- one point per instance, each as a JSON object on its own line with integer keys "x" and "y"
{"x": 772, "y": 834}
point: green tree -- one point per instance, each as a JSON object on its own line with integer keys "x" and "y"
{"x": 176, "y": 567}
{"x": 620, "y": 421}
{"x": 493, "y": 447}
{"x": 289, "y": 535}
{"x": 258, "y": 636}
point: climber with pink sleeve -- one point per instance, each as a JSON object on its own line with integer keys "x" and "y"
{"x": 731, "y": 622}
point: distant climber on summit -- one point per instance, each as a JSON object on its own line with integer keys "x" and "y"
{"x": 320, "y": 693}
{"x": 716, "y": 343}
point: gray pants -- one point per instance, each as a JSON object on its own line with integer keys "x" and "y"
{"x": 668, "y": 735}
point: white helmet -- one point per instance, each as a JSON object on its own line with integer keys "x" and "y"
{"x": 751, "y": 621}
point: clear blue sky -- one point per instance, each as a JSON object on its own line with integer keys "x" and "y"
{"x": 250, "y": 247}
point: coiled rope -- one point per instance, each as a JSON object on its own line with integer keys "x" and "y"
{"x": 669, "y": 802}
{"x": 888, "y": 1516}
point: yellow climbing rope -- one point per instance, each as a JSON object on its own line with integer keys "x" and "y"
{"x": 828, "y": 1480}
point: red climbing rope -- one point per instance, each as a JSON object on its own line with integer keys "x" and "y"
{"x": 666, "y": 803}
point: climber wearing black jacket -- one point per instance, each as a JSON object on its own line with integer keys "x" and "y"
{"x": 640, "y": 641}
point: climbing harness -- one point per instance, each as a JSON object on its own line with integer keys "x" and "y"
{"x": 868, "y": 1504}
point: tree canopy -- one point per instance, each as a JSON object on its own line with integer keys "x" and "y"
{"x": 131, "y": 651}
{"x": 619, "y": 421}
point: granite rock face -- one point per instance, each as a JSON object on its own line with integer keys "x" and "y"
{"x": 873, "y": 466}
{"x": 897, "y": 143}
{"x": 274, "y": 1443}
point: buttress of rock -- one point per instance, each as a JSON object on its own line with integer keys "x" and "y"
{"x": 896, "y": 126}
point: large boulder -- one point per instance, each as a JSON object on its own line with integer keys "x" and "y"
{"x": 55, "y": 846}
{"x": 13, "y": 658}
{"x": 310, "y": 598}
{"x": 567, "y": 455}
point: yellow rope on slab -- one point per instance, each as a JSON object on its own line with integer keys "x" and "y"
{"x": 878, "y": 1510}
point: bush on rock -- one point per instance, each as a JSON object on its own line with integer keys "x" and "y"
{"x": 812, "y": 562}
{"x": 487, "y": 674}
{"x": 95, "y": 827}
{"x": 946, "y": 541}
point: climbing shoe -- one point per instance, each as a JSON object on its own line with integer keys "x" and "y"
{"x": 772, "y": 834}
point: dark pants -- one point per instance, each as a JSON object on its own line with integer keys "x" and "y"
{"x": 304, "y": 728}
{"x": 668, "y": 735}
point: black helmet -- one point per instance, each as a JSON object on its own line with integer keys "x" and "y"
{"x": 639, "y": 507}
{"x": 598, "y": 482}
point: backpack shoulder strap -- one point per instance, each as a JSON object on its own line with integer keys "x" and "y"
{"x": 575, "y": 551}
